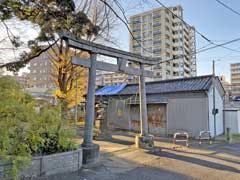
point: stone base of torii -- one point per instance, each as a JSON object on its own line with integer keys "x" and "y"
{"x": 144, "y": 140}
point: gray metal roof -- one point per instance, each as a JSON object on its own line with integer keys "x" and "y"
{"x": 199, "y": 83}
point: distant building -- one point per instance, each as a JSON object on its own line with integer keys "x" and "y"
{"x": 235, "y": 79}
{"x": 42, "y": 94}
{"x": 163, "y": 35}
{"x": 24, "y": 80}
{"x": 227, "y": 87}
{"x": 104, "y": 79}
{"x": 41, "y": 69}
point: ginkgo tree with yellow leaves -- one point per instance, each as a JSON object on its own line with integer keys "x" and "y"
{"x": 70, "y": 80}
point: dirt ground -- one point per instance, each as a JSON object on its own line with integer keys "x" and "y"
{"x": 120, "y": 160}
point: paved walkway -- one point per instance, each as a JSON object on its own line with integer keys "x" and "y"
{"x": 120, "y": 161}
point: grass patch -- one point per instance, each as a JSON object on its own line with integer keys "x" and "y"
{"x": 236, "y": 137}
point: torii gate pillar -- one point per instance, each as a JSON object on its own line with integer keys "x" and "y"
{"x": 90, "y": 150}
{"x": 144, "y": 140}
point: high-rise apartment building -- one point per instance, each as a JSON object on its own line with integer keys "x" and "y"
{"x": 235, "y": 79}
{"x": 161, "y": 34}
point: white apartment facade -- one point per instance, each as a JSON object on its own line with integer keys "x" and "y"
{"x": 162, "y": 35}
{"x": 235, "y": 79}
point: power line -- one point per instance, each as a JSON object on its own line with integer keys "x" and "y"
{"x": 219, "y": 45}
{"x": 200, "y": 51}
{"x": 209, "y": 44}
{"x": 201, "y": 35}
{"x": 228, "y": 7}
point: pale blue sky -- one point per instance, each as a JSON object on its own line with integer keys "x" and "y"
{"x": 210, "y": 18}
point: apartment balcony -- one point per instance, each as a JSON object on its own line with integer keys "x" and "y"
{"x": 168, "y": 33}
{"x": 168, "y": 68}
{"x": 156, "y": 24}
{"x": 157, "y": 67}
{"x": 136, "y": 22}
{"x": 178, "y": 36}
{"x": 178, "y": 52}
{"x": 157, "y": 51}
{"x": 177, "y": 44}
{"x": 176, "y": 20}
{"x": 155, "y": 16}
{"x": 185, "y": 39}
{"x": 176, "y": 69}
{"x": 157, "y": 36}
{"x": 167, "y": 41}
{"x": 167, "y": 24}
{"x": 187, "y": 69}
{"x": 177, "y": 28}
{"x": 156, "y": 42}
{"x": 168, "y": 76}
{"x": 156, "y": 32}
{"x": 187, "y": 62}
{"x": 168, "y": 52}
{"x": 156, "y": 20}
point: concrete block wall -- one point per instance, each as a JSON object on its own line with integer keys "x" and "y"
{"x": 51, "y": 164}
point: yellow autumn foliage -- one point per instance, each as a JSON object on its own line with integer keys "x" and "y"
{"x": 70, "y": 79}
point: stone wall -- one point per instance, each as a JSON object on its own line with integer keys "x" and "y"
{"x": 51, "y": 164}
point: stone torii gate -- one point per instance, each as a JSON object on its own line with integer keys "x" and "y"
{"x": 90, "y": 150}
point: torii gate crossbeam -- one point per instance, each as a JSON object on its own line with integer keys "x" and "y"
{"x": 90, "y": 150}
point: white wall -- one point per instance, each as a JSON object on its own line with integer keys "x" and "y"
{"x": 238, "y": 121}
{"x": 219, "y": 115}
{"x": 187, "y": 114}
{"x": 232, "y": 120}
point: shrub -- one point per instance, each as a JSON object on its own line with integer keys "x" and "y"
{"x": 24, "y": 132}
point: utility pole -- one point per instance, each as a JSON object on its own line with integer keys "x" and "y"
{"x": 214, "y": 99}
{"x": 76, "y": 105}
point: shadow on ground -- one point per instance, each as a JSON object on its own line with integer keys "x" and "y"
{"x": 196, "y": 161}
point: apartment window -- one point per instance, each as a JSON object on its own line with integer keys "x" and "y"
{"x": 145, "y": 19}
{"x": 156, "y": 16}
{"x": 144, "y": 35}
{"x": 156, "y": 24}
{"x": 167, "y": 45}
{"x": 168, "y": 54}
{"x": 167, "y": 37}
{"x": 144, "y": 27}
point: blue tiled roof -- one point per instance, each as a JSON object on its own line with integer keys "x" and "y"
{"x": 199, "y": 83}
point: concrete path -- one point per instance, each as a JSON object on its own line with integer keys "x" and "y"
{"x": 120, "y": 160}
